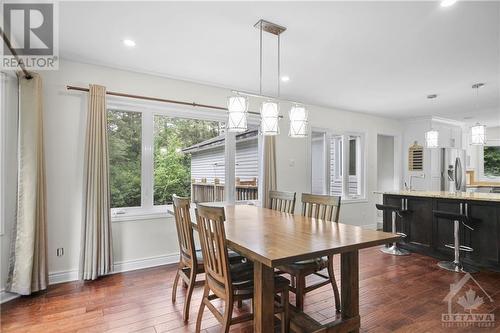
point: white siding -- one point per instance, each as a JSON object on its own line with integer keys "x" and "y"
{"x": 209, "y": 163}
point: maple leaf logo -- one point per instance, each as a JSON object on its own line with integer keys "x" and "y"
{"x": 470, "y": 301}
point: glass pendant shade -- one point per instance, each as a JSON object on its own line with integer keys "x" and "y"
{"x": 269, "y": 113}
{"x": 237, "y": 107}
{"x": 478, "y": 135}
{"x": 432, "y": 139}
{"x": 298, "y": 122}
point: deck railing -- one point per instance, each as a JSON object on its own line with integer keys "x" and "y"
{"x": 202, "y": 191}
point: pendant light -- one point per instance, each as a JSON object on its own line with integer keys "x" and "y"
{"x": 478, "y": 131}
{"x": 237, "y": 107}
{"x": 298, "y": 122}
{"x": 269, "y": 112}
{"x": 432, "y": 139}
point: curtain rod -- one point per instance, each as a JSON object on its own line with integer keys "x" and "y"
{"x": 14, "y": 53}
{"x": 156, "y": 99}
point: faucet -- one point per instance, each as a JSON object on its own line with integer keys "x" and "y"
{"x": 410, "y": 188}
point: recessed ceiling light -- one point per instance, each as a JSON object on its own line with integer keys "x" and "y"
{"x": 128, "y": 42}
{"x": 447, "y": 3}
{"x": 285, "y": 78}
{"x": 432, "y": 96}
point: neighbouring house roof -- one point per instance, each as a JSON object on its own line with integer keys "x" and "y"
{"x": 218, "y": 141}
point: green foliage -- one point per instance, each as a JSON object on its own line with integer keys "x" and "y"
{"x": 172, "y": 168}
{"x": 492, "y": 161}
{"x": 124, "y": 143}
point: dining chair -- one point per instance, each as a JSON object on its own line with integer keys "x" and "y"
{"x": 191, "y": 261}
{"x": 228, "y": 282}
{"x": 282, "y": 201}
{"x": 326, "y": 208}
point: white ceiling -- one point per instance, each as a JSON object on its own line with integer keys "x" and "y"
{"x": 380, "y": 58}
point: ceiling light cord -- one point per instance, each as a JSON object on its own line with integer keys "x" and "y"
{"x": 279, "y": 66}
{"x": 260, "y": 50}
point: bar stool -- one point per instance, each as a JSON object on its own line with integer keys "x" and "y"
{"x": 458, "y": 219}
{"x": 394, "y": 249}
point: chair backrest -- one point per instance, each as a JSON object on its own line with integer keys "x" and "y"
{"x": 323, "y": 207}
{"x": 184, "y": 229}
{"x": 282, "y": 201}
{"x": 210, "y": 222}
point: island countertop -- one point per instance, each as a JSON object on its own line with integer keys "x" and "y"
{"x": 495, "y": 197}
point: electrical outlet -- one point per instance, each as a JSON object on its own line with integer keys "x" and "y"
{"x": 60, "y": 252}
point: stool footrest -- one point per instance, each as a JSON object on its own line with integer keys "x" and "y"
{"x": 466, "y": 248}
{"x": 402, "y": 234}
{"x": 461, "y": 247}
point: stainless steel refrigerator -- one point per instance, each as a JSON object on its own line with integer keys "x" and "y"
{"x": 452, "y": 162}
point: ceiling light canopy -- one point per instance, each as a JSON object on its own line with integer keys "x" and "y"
{"x": 448, "y": 3}
{"x": 128, "y": 42}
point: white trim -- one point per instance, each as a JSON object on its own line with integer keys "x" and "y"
{"x": 134, "y": 264}
{"x": 63, "y": 276}
{"x": 5, "y": 296}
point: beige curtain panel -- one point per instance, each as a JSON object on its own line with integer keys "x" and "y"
{"x": 268, "y": 171}
{"x": 97, "y": 249}
{"x": 28, "y": 271}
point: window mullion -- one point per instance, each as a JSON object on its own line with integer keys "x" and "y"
{"x": 345, "y": 166}
{"x": 147, "y": 160}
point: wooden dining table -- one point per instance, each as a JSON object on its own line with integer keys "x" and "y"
{"x": 270, "y": 239}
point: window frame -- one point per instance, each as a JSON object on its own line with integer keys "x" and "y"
{"x": 148, "y": 111}
{"x": 344, "y": 159}
{"x": 482, "y": 177}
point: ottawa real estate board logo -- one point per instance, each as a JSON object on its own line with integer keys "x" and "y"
{"x": 469, "y": 305}
{"x": 29, "y": 35}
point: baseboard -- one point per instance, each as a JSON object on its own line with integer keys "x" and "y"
{"x": 63, "y": 276}
{"x": 5, "y": 296}
{"x": 132, "y": 265}
{"x": 370, "y": 226}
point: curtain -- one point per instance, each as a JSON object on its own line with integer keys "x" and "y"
{"x": 28, "y": 271}
{"x": 268, "y": 169}
{"x": 97, "y": 254}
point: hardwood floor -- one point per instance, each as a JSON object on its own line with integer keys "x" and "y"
{"x": 398, "y": 294}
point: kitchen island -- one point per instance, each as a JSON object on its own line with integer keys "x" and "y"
{"x": 428, "y": 234}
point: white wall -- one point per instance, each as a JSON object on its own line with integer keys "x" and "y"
{"x": 150, "y": 242}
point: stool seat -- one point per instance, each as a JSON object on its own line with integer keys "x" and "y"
{"x": 449, "y": 216}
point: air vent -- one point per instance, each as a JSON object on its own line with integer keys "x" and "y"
{"x": 416, "y": 157}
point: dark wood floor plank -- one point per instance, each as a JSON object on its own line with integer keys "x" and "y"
{"x": 397, "y": 294}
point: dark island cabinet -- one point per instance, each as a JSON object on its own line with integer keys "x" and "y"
{"x": 429, "y": 235}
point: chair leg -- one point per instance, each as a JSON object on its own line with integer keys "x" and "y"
{"x": 331, "y": 273}
{"x": 174, "y": 286}
{"x": 285, "y": 315}
{"x": 228, "y": 313}
{"x": 299, "y": 291}
{"x": 202, "y": 307}
{"x": 187, "y": 302}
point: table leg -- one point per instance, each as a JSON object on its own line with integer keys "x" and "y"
{"x": 349, "y": 289}
{"x": 263, "y": 317}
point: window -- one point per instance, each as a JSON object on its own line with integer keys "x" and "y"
{"x": 155, "y": 153}
{"x": 491, "y": 162}
{"x": 125, "y": 150}
{"x": 331, "y": 154}
{"x": 179, "y": 157}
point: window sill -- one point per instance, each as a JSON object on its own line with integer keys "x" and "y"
{"x": 141, "y": 215}
{"x": 353, "y": 201}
